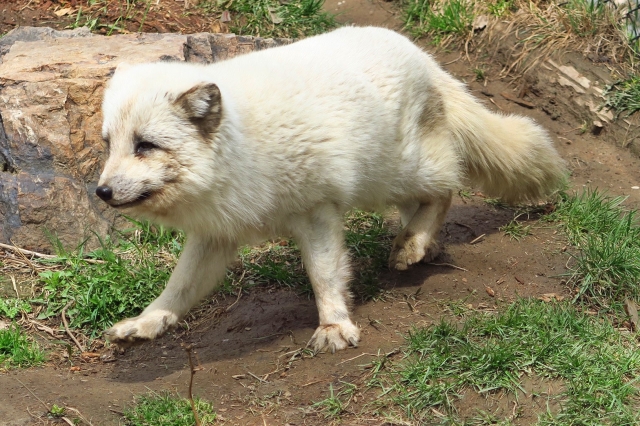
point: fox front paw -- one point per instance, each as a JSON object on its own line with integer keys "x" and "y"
{"x": 335, "y": 337}
{"x": 141, "y": 328}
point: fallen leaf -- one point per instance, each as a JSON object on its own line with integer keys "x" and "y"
{"x": 226, "y": 16}
{"x": 550, "y": 297}
{"x": 76, "y": 368}
{"x": 63, "y": 12}
{"x": 490, "y": 291}
{"x": 273, "y": 14}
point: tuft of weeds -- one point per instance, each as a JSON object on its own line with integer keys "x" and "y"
{"x": 585, "y": 17}
{"x": 279, "y": 262}
{"x": 12, "y": 307}
{"x": 17, "y": 349}
{"x": 607, "y": 265}
{"x": 623, "y": 96}
{"x": 500, "y": 8}
{"x": 336, "y": 403}
{"x": 491, "y": 353}
{"x": 439, "y": 18}
{"x": 273, "y": 18}
{"x": 480, "y": 74}
{"x": 132, "y": 272}
{"x": 166, "y": 409}
{"x": 516, "y": 230}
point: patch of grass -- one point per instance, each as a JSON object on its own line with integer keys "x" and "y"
{"x": 279, "y": 262}
{"x": 17, "y": 349}
{"x": 585, "y": 17}
{"x": 166, "y": 409}
{"x": 500, "y": 8}
{"x": 134, "y": 268}
{"x": 480, "y": 74}
{"x": 336, "y": 403}
{"x": 607, "y": 266}
{"x": 492, "y": 353}
{"x": 12, "y": 307}
{"x": 623, "y": 96}
{"x": 516, "y": 230}
{"x": 133, "y": 271}
{"x": 439, "y": 18}
{"x": 273, "y": 18}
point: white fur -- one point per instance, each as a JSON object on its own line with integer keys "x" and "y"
{"x": 359, "y": 117}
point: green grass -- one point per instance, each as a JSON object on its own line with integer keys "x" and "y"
{"x": 274, "y": 18}
{"x": 585, "y": 17}
{"x": 623, "y": 96}
{"x": 136, "y": 265}
{"x": 491, "y": 353}
{"x": 516, "y": 230}
{"x": 500, "y": 8}
{"x": 134, "y": 271}
{"x": 438, "y": 18}
{"x": 11, "y": 307}
{"x": 337, "y": 402}
{"x": 165, "y": 409}
{"x": 606, "y": 265}
{"x": 17, "y": 349}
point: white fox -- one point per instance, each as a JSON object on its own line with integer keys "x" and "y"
{"x": 285, "y": 141}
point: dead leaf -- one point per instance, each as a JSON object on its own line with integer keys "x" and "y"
{"x": 4, "y": 325}
{"x": 75, "y": 368}
{"x": 63, "y": 12}
{"x": 226, "y": 16}
{"x": 273, "y": 14}
{"x": 89, "y": 355}
{"x": 490, "y": 291}
{"x": 550, "y": 297}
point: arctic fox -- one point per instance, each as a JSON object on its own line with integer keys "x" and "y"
{"x": 284, "y": 141}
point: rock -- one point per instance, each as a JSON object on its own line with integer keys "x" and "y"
{"x": 51, "y": 150}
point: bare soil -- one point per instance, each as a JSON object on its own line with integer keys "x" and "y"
{"x": 251, "y": 365}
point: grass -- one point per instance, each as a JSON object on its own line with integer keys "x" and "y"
{"x": 17, "y": 349}
{"x": 516, "y": 230}
{"x": 274, "y": 18}
{"x": 133, "y": 272}
{"x": 438, "y": 18}
{"x": 134, "y": 267}
{"x": 606, "y": 267}
{"x": 623, "y": 96}
{"x": 166, "y": 409}
{"x": 337, "y": 402}
{"x": 492, "y": 353}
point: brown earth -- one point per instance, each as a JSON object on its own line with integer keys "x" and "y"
{"x": 251, "y": 365}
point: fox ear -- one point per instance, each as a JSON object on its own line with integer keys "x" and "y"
{"x": 201, "y": 101}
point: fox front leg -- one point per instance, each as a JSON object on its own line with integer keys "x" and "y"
{"x": 200, "y": 269}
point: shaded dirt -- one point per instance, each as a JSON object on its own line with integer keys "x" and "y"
{"x": 263, "y": 333}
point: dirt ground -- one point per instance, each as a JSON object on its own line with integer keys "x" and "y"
{"x": 251, "y": 368}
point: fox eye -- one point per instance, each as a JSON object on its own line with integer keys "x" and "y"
{"x": 143, "y": 147}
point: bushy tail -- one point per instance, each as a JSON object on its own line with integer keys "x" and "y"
{"x": 508, "y": 156}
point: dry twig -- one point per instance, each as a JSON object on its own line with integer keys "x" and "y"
{"x": 66, "y": 326}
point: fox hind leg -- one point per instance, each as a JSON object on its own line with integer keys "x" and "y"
{"x": 418, "y": 240}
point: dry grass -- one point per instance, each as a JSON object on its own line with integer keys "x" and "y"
{"x": 539, "y": 28}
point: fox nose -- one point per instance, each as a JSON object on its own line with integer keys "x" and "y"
{"x": 104, "y": 192}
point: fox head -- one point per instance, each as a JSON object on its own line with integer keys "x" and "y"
{"x": 158, "y": 127}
